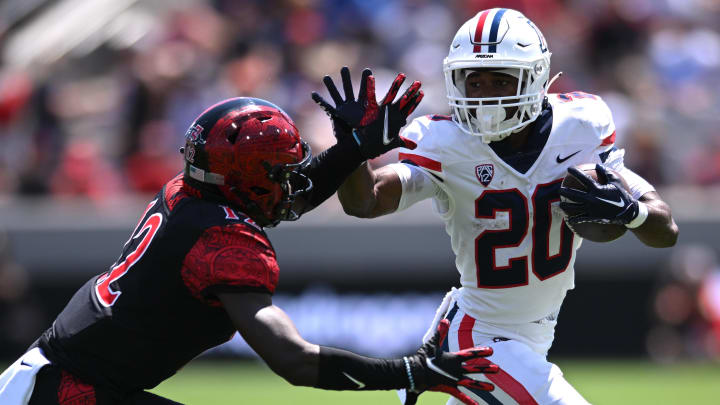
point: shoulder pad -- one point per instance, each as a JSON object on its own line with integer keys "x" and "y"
{"x": 588, "y": 110}
{"x": 433, "y": 134}
{"x": 230, "y": 257}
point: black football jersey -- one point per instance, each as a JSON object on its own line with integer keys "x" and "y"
{"x": 138, "y": 323}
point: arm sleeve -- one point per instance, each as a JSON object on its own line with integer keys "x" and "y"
{"x": 229, "y": 258}
{"x": 328, "y": 170}
{"x": 344, "y": 370}
{"x": 417, "y": 185}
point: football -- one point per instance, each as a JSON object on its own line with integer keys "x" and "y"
{"x": 592, "y": 231}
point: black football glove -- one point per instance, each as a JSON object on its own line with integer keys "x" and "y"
{"x": 432, "y": 369}
{"x": 375, "y": 128}
{"x": 607, "y": 203}
{"x": 349, "y": 112}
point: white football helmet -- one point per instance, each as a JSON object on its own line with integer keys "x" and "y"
{"x": 505, "y": 40}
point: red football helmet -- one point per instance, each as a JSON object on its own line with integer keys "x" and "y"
{"x": 251, "y": 151}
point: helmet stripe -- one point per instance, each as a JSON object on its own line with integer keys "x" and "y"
{"x": 477, "y": 39}
{"x": 494, "y": 29}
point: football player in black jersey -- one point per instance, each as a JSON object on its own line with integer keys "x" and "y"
{"x": 198, "y": 267}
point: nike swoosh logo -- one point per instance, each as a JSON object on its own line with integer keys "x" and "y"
{"x": 22, "y": 363}
{"x": 560, "y": 160}
{"x": 360, "y": 384}
{"x": 523, "y": 45}
{"x": 455, "y": 45}
{"x": 386, "y": 140}
{"x": 618, "y": 203}
{"x": 432, "y": 366}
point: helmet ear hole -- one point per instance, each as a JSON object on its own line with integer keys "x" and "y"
{"x": 232, "y": 137}
{"x": 259, "y": 190}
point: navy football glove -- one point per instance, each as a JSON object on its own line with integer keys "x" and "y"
{"x": 375, "y": 128}
{"x": 607, "y": 203}
{"x": 432, "y": 369}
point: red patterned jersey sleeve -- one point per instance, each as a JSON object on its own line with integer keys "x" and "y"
{"x": 229, "y": 258}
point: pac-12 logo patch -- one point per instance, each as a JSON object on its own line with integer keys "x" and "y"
{"x": 193, "y": 133}
{"x": 485, "y": 173}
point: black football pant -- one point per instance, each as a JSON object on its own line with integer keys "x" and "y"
{"x": 54, "y": 386}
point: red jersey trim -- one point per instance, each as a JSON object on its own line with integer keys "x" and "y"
{"x": 502, "y": 379}
{"x": 421, "y": 161}
{"x": 465, "y": 339}
{"x": 608, "y": 140}
{"x": 439, "y": 117}
{"x": 174, "y": 192}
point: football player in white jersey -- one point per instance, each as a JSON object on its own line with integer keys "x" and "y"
{"x": 493, "y": 169}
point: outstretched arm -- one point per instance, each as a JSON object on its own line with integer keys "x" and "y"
{"x": 371, "y": 193}
{"x": 271, "y": 333}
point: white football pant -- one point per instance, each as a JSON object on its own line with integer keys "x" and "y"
{"x": 525, "y": 377}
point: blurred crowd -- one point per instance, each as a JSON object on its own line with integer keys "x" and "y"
{"x": 98, "y": 105}
{"x": 686, "y": 307}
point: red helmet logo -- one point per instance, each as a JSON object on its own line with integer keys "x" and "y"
{"x": 193, "y": 133}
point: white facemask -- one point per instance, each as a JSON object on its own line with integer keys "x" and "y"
{"x": 489, "y": 117}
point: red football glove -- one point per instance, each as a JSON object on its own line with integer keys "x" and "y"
{"x": 432, "y": 369}
{"x": 375, "y": 128}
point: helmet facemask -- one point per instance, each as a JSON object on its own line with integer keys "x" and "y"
{"x": 273, "y": 203}
{"x": 293, "y": 183}
{"x": 495, "y": 118}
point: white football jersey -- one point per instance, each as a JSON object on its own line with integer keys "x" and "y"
{"x": 514, "y": 253}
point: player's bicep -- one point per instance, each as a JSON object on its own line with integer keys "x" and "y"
{"x": 388, "y": 190}
{"x": 272, "y": 335}
{"x": 265, "y": 327}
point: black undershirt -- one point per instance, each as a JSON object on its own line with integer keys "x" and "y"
{"x": 521, "y": 159}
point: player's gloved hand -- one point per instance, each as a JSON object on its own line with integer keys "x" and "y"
{"x": 347, "y": 113}
{"x": 375, "y": 128}
{"x": 432, "y": 369}
{"x": 607, "y": 203}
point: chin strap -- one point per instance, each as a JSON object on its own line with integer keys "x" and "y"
{"x": 254, "y": 211}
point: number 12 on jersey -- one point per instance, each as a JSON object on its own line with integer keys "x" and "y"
{"x": 515, "y": 204}
{"x": 104, "y": 292}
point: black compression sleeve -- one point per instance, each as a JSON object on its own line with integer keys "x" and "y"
{"x": 329, "y": 169}
{"x": 344, "y": 370}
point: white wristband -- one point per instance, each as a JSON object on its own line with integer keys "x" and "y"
{"x": 640, "y": 218}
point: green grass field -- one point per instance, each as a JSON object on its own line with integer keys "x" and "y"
{"x": 600, "y": 382}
